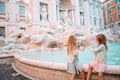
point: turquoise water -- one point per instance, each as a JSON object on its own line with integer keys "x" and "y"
{"x": 85, "y": 57}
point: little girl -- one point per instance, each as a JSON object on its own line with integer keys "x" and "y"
{"x": 99, "y": 63}
{"x": 73, "y": 66}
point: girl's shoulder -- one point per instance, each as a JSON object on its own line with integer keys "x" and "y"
{"x": 102, "y": 46}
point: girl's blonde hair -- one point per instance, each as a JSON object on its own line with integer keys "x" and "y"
{"x": 71, "y": 44}
{"x": 102, "y": 40}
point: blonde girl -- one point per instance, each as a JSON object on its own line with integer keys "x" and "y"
{"x": 73, "y": 66}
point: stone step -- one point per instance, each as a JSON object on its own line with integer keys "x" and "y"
{"x": 8, "y": 73}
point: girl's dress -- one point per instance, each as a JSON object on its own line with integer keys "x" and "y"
{"x": 74, "y": 67}
{"x": 99, "y": 63}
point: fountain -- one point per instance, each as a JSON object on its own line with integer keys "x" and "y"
{"x": 42, "y": 55}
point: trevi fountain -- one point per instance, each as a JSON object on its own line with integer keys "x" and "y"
{"x": 39, "y": 51}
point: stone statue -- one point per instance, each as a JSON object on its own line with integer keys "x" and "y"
{"x": 44, "y": 14}
{"x": 66, "y": 19}
{"x": 82, "y": 18}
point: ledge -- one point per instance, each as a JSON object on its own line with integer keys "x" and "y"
{"x": 2, "y": 56}
{"x": 4, "y": 16}
{"x": 112, "y": 69}
{"x": 46, "y": 70}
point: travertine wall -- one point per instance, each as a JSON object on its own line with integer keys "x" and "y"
{"x": 12, "y": 21}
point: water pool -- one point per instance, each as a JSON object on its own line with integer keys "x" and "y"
{"x": 53, "y": 65}
{"x": 85, "y": 57}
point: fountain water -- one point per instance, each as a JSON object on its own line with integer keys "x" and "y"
{"x": 42, "y": 55}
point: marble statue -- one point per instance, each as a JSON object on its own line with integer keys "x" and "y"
{"x": 44, "y": 14}
{"x": 66, "y": 19}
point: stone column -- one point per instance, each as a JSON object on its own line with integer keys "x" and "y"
{"x": 73, "y": 17}
{"x": 77, "y": 13}
{"x": 87, "y": 16}
{"x": 35, "y": 23}
{"x": 52, "y": 11}
{"x": 102, "y": 22}
{"x": 58, "y": 8}
{"x": 6, "y": 6}
{"x": 6, "y": 11}
{"x": 73, "y": 12}
{"x": 36, "y": 11}
{"x": 27, "y": 14}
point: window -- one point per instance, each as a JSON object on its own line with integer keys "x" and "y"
{"x": 103, "y": 8}
{"x": 100, "y": 9}
{"x": 108, "y": 5}
{"x": 119, "y": 24}
{"x": 111, "y": 26}
{"x": 100, "y": 22}
{"x": 117, "y": 1}
{"x": 119, "y": 16}
{"x": 109, "y": 12}
{"x": 81, "y": 3}
{"x": 82, "y": 18}
{"x": 118, "y": 8}
{"x": 2, "y": 7}
{"x": 93, "y": 5}
{"x": 90, "y": 19}
{"x": 110, "y": 19}
{"x": 22, "y": 10}
{"x": 95, "y": 21}
{"x": 2, "y": 31}
{"x": 22, "y": 28}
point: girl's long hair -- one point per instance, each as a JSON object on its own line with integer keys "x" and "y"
{"x": 102, "y": 40}
{"x": 71, "y": 44}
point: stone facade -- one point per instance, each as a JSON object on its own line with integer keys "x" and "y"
{"x": 10, "y": 18}
{"x": 33, "y": 14}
